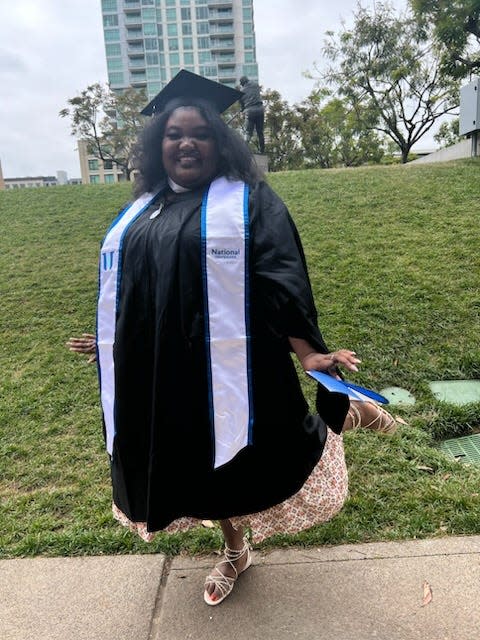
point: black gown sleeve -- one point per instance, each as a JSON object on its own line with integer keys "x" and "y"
{"x": 280, "y": 272}
{"x": 282, "y": 290}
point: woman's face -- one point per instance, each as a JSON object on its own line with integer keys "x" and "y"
{"x": 189, "y": 151}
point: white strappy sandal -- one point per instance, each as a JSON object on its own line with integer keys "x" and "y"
{"x": 358, "y": 416}
{"x": 224, "y": 584}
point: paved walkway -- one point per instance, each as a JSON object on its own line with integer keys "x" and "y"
{"x": 350, "y": 592}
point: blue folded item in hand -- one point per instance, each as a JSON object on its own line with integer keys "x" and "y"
{"x": 353, "y": 391}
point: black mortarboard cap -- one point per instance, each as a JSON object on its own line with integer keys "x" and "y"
{"x": 190, "y": 85}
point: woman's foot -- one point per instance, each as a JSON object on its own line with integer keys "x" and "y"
{"x": 219, "y": 584}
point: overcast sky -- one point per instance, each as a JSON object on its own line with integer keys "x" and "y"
{"x": 50, "y": 50}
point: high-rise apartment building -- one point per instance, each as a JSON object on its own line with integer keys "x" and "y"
{"x": 148, "y": 41}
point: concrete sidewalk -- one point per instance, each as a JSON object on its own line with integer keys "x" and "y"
{"x": 350, "y": 592}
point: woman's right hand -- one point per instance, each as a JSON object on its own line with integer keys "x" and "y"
{"x": 329, "y": 362}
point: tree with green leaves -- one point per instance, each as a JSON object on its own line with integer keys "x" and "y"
{"x": 386, "y": 68}
{"x": 332, "y": 134}
{"x": 448, "y": 133}
{"x": 282, "y": 138}
{"x": 109, "y": 122}
{"x": 456, "y": 29}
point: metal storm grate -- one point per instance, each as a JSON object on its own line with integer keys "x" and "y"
{"x": 465, "y": 449}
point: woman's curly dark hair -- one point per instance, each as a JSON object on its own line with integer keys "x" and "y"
{"x": 236, "y": 161}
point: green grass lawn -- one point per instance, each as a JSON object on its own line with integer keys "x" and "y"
{"x": 394, "y": 258}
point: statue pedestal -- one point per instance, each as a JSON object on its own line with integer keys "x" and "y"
{"x": 262, "y": 161}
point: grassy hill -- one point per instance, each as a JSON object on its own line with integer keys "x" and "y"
{"x": 394, "y": 258}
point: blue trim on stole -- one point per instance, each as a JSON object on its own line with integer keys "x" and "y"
{"x": 246, "y": 219}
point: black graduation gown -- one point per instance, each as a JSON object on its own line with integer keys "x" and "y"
{"x": 162, "y": 461}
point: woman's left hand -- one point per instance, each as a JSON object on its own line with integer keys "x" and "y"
{"x": 329, "y": 362}
{"x": 84, "y": 344}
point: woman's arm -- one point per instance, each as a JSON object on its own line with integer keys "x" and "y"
{"x": 311, "y": 359}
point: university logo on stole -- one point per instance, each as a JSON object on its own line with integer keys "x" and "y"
{"x": 107, "y": 260}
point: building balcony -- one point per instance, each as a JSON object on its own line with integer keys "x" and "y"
{"x": 222, "y": 29}
{"x": 227, "y": 73}
{"x": 136, "y": 52}
{"x": 220, "y": 4}
{"x": 131, "y": 5}
{"x": 220, "y": 45}
{"x": 136, "y": 63}
{"x": 138, "y": 79}
{"x": 220, "y": 16}
{"x": 133, "y": 20}
{"x": 134, "y": 35}
{"x": 225, "y": 61}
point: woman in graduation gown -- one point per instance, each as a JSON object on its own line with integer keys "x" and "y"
{"x": 204, "y": 295}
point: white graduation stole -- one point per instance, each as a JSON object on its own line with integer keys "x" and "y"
{"x": 225, "y": 236}
{"x": 108, "y": 292}
{"x": 225, "y": 240}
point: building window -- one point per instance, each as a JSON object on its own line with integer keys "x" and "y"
{"x": 113, "y": 50}
{"x": 203, "y": 43}
{"x": 153, "y": 73}
{"x": 187, "y": 44}
{"x": 110, "y": 21}
{"x": 109, "y": 5}
{"x": 149, "y": 15}
{"x": 172, "y": 29}
{"x": 174, "y": 71}
{"x": 173, "y": 44}
{"x": 171, "y": 15}
{"x": 201, "y": 13}
{"x": 185, "y": 2}
{"x": 109, "y": 178}
{"x": 149, "y": 29}
{"x": 248, "y": 43}
{"x": 174, "y": 59}
{"x": 208, "y": 71}
{"x": 108, "y": 164}
{"x": 112, "y": 35}
{"x": 151, "y": 44}
{"x": 249, "y": 57}
{"x": 148, "y": 3}
{"x": 247, "y": 28}
{"x": 202, "y": 27}
{"x": 170, "y": 3}
{"x": 160, "y": 44}
{"x": 250, "y": 70}
{"x": 187, "y": 28}
{"x": 199, "y": 2}
{"x": 204, "y": 56}
{"x": 114, "y": 64}
{"x": 188, "y": 58}
{"x": 115, "y": 77}
{"x": 186, "y": 14}
{"x": 152, "y": 58}
{"x": 95, "y": 179}
{"x": 153, "y": 88}
{"x": 247, "y": 14}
